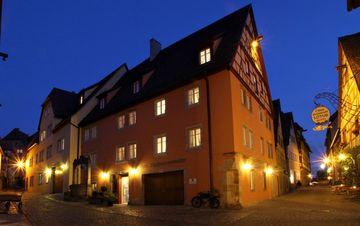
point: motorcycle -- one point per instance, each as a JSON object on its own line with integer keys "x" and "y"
{"x": 211, "y": 198}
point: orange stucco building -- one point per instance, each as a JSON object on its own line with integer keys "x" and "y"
{"x": 193, "y": 117}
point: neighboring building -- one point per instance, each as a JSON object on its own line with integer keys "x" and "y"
{"x": 282, "y": 166}
{"x": 291, "y": 147}
{"x": 195, "y": 116}
{"x": 50, "y": 159}
{"x": 332, "y": 144}
{"x": 352, "y": 4}
{"x": 304, "y": 156}
{"x": 349, "y": 94}
{"x": 14, "y": 147}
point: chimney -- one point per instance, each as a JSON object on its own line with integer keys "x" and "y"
{"x": 155, "y": 48}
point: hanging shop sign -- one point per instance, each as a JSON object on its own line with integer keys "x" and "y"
{"x": 320, "y": 114}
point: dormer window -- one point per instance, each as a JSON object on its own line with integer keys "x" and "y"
{"x": 136, "y": 86}
{"x": 81, "y": 99}
{"x": 205, "y": 56}
{"x": 102, "y": 103}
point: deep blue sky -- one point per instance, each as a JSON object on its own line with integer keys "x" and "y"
{"x": 71, "y": 44}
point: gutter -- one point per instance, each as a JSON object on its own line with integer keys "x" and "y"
{"x": 209, "y": 135}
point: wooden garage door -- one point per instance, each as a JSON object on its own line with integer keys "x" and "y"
{"x": 164, "y": 188}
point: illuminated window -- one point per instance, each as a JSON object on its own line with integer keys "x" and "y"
{"x": 136, "y": 86}
{"x": 194, "y": 136}
{"x": 160, "y": 107}
{"x": 132, "y": 118}
{"x": 132, "y": 151}
{"x": 252, "y": 180}
{"x": 43, "y": 135}
{"x": 121, "y": 121}
{"x": 193, "y": 96}
{"x": 93, "y": 132}
{"x": 205, "y": 56}
{"x": 102, "y": 103}
{"x": 160, "y": 144}
{"x": 120, "y": 153}
{"x": 19, "y": 151}
{"x": 81, "y": 99}
{"x": 86, "y": 134}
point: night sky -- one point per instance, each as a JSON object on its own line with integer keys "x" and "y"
{"x": 71, "y": 44}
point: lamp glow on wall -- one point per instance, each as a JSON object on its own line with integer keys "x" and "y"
{"x": 64, "y": 166}
{"x": 247, "y": 166}
{"x": 134, "y": 171}
{"x": 269, "y": 170}
{"x": 104, "y": 176}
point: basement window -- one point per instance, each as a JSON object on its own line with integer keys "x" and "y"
{"x": 205, "y": 56}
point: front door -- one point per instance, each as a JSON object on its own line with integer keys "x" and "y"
{"x": 58, "y": 183}
{"x": 124, "y": 190}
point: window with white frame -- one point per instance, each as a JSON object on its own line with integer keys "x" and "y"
{"x": 136, "y": 86}
{"x": 262, "y": 145}
{"x": 93, "y": 132}
{"x": 132, "y": 151}
{"x": 132, "y": 118}
{"x": 160, "y": 144}
{"x": 251, "y": 139}
{"x": 193, "y": 96}
{"x": 102, "y": 103}
{"x": 120, "y": 153}
{"x": 160, "y": 107}
{"x": 194, "y": 136}
{"x": 205, "y": 56}
{"x": 252, "y": 180}
{"x": 62, "y": 146}
{"x": 121, "y": 121}
{"x": 248, "y": 102}
{"x": 86, "y": 134}
{"x": 43, "y": 135}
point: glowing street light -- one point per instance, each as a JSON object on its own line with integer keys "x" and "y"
{"x": 269, "y": 170}
{"x": 20, "y": 164}
{"x": 247, "y": 166}
{"x": 309, "y": 176}
{"x": 322, "y": 166}
{"x": 341, "y": 156}
{"x": 104, "y": 176}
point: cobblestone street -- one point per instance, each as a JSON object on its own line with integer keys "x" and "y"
{"x": 315, "y": 206}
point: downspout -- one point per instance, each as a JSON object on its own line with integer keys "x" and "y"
{"x": 209, "y": 134}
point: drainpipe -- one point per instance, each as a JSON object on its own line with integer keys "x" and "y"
{"x": 209, "y": 134}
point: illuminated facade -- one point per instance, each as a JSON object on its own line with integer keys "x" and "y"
{"x": 349, "y": 94}
{"x": 50, "y": 156}
{"x": 196, "y": 116}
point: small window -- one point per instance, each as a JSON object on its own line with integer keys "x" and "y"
{"x": 32, "y": 181}
{"x": 264, "y": 180}
{"x": 121, "y": 121}
{"x": 62, "y": 144}
{"x": 252, "y": 180}
{"x": 242, "y": 92}
{"x": 136, "y": 86}
{"x": 132, "y": 151}
{"x": 262, "y": 145}
{"x": 160, "y": 107}
{"x": 31, "y": 161}
{"x": 248, "y": 102}
{"x": 86, "y": 134}
{"x": 41, "y": 156}
{"x": 251, "y": 139}
{"x": 193, "y": 96}
{"x": 205, "y": 56}
{"x": 132, "y": 118}
{"x": 102, "y": 103}
{"x": 40, "y": 181}
{"x": 43, "y": 135}
{"x": 93, "y": 160}
{"x": 194, "y": 136}
{"x": 81, "y": 99}
{"x": 120, "y": 153}
{"x": 93, "y": 132}
{"x": 245, "y": 136}
{"x": 270, "y": 154}
{"x": 260, "y": 115}
{"x": 160, "y": 144}
{"x": 49, "y": 152}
